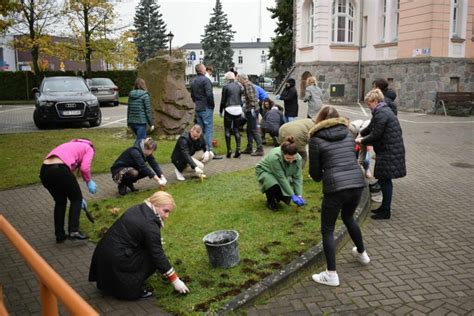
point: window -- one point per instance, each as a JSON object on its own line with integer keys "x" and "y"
{"x": 241, "y": 60}
{"x": 200, "y": 53}
{"x": 263, "y": 52}
{"x": 263, "y": 59}
{"x": 240, "y": 52}
{"x": 457, "y": 19}
{"x": 342, "y": 22}
{"x": 364, "y": 31}
{"x": 383, "y": 18}
{"x": 309, "y": 22}
{"x": 396, "y": 20}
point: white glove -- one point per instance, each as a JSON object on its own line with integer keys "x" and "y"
{"x": 152, "y": 128}
{"x": 180, "y": 287}
{"x": 162, "y": 180}
{"x": 205, "y": 157}
{"x": 199, "y": 171}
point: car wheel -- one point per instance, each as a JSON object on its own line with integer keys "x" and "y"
{"x": 40, "y": 124}
{"x": 97, "y": 121}
{"x": 116, "y": 103}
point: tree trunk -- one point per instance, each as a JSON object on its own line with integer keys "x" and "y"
{"x": 88, "y": 55}
{"x": 34, "y": 59}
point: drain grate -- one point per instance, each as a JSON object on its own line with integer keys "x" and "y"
{"x": 462, "y": 165}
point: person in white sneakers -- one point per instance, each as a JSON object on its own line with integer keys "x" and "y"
{"x": 332, "y": 159}
{"x": 187, "y": 145}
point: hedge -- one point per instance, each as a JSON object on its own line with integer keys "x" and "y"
{"x": 17, "y": 85}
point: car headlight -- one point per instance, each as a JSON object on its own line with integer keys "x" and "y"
{"x": 47, "y": 103}
{"x": 93, "y": 102}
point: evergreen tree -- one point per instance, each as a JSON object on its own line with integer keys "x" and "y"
{"x": 150, "y": 29}
{"x": 281, "y": 50}
{"x": 216, "y": 41}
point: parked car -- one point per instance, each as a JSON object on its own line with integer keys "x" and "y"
{"x": 105, "y": 90}
{"x": 65, "y": 99}
{"x": 268, "y": 84}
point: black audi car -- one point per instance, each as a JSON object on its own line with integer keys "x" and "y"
{"x": 65, "y": 99}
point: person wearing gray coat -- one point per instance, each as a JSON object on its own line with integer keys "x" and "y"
{"x": 231, "y": 110}
{"x": 313, "y": 96}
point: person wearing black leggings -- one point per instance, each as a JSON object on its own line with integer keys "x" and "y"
{"x": 58, "y": 178}
{"x": 332, "y": 159}
{"x": 231, "y": 109}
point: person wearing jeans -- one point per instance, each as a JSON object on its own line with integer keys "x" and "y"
{"x": 139, "y": 111}
{"x": 57, "y": 176}
{"x": 203, "y": 98}
{"x": 332, "y": 159}
{"x": 384, "y": 133}
{"x": 251, "y": 113}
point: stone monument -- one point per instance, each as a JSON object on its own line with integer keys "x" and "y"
{"x": 173, "y": 108}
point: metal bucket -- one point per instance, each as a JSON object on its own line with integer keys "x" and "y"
{"x": 222, "y": 248}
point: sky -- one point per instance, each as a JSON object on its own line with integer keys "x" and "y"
{"x": 187, "y": 18}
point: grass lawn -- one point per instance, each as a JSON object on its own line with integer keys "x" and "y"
{"x": 22, "y": 168}
{"x": 123, "y": 100}
{"x": 268, "y": 240}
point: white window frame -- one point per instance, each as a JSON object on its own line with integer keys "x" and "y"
{"x": 457, "y": 18}
{"x": 383, "y": 21}
{"x": 310, "y": 23}
{"x": 396, "y": 19}
{"x": 343, "y": 12}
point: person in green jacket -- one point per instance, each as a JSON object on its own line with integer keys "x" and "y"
{"x": 279, "y": 175}
{"x": 139, "y": 112}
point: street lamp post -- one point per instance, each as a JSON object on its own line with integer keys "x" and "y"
{"x": 170, "y": 39}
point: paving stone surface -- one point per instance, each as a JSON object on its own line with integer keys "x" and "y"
{"x": 422, "y": 259}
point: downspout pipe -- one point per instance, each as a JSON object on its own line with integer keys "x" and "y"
{"x": 359, "y": 66}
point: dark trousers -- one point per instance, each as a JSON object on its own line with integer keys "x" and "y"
{"x": 62, "y": 185}
{"x": 387, "y": 191}
{"x": 231, "y": 125}
{"x": 139, "y": 130}
{"x": 252, "y": 133}
{"x": 345, "y": 201}
{"x": 274, "y": 195}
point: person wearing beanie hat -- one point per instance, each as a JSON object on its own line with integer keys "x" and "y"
{"x": 290, "y": 99}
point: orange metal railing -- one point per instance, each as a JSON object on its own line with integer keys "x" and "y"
{"x": 52, "y": 286}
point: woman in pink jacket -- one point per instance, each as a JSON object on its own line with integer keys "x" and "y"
{"x": 57, "y": 175}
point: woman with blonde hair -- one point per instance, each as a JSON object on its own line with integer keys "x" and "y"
{"x": 313, "y": 96}
{"x": 332, "y": 159}
{"x": 139, "y": 112}
{"x": 131, "y": 251}
{"x": 384, "y": 133}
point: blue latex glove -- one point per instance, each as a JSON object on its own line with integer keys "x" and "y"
{"x": 92, "y": 187}
{"x": 297, "y": 200}
{"x": 84, "y": 204}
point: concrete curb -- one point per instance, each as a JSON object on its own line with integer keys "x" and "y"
{"x": 298, "y": 268}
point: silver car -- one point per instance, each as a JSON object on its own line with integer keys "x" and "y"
{"x": 105, "y": 90}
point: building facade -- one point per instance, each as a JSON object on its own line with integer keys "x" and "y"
{"x": 7, "y": 54}
{"x": 421, "y": 47}
{"x": 249, "y": 57}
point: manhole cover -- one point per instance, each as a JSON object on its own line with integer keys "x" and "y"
{"x": 462, "y": 165}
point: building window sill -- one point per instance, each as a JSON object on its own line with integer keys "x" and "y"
{"x": 307, "y": 47}
{"x": 457, "y": 40}
{"x": 344, "y": 46}
{"x": 382, "y": 45}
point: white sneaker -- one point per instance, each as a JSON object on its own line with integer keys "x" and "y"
{"x": 363, "y": 258}
{"x": 325, "y": 278}
{"x": 179, "y": 175}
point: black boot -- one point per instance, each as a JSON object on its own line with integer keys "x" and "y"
{"x": 378, "y": 210}
{"x": 122, "y": 188}
{"x": 237, "y": 153}
{"x": 275, "y": 141}
{"x": 385, "y": 214}
{"x": 227, "y": 143}
{"x": 229, "y": 154}
{"x": 131, "y": 187}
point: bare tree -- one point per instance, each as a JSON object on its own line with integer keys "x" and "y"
{"x": 32, "y": 19}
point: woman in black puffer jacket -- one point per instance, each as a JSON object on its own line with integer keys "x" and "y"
{"x": 332, "y": 159}
{"x": 385, "y": 135}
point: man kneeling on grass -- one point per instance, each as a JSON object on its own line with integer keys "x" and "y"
{"x": 131, "y": 251}
{"x": 186, "y": 146}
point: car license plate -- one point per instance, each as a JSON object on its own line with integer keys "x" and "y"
{"x": 68, "y": 113}
{"x": 103, "y": 92}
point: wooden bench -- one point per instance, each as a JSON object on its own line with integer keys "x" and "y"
{"x": 457, "y": 103}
